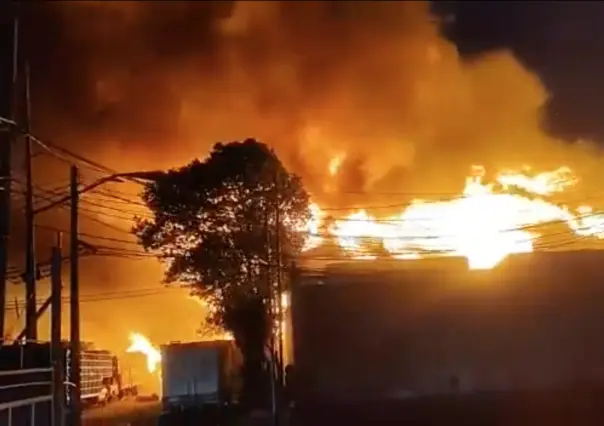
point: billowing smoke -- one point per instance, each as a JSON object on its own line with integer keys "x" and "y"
{"x": 157, "y": 83}
{"x": 153, "y": 84}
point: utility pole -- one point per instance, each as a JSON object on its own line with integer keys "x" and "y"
{"x": 150, "y": 176}
{"x": 55, "y": 333}
{"x": 31, "y": 323}
{"x": 270, "y": 298}
{"x": 269, "y": 275}
{"x": 279, "y": 301}
{"x": 74, "y": 296}
{"x": 9, "y": 28}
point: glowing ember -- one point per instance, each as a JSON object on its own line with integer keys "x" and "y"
{"x": 485, "y": 224}
{"x": 140, "y": 344}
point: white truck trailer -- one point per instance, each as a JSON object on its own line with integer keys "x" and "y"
{"x": 200, "y": 380}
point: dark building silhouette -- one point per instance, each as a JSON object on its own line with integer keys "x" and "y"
{"x": 370, "y": 330}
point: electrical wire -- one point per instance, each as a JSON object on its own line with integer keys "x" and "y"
{"x": 404, "y": 238}
{"x": 92, "y": 213}
{"x": 61, "y": 152}
{"x": 427, "y": 220}
{"x": 87, "y": 235}
{"x": 99, "y": 167}
{"x": 105, "y": 296}
{"x": 117, "y": 198}
{"x": 154, "y": 291}
{"x": 147, "y": 215}
{"x": 130, "y": 214}
{"x": 65, "y": 154}
{"x": 366, "y": 238}
{"x": 73, "y": 158}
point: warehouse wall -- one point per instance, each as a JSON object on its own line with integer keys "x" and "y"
{"x": 406, "y": 330}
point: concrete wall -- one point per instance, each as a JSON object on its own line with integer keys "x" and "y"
{"x": 406, "y": 329}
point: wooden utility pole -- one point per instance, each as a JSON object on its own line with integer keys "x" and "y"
{"x": 31, "y": 322}
{"x": 9, "y": 30}
{"x": 270, "y": 355}
{"x": 74, "y": 296}
{"x": 269, "y": 270}
{"x": 55, "y": 334}
{"x": 279, "y": 301}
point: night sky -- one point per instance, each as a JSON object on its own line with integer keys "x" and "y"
{"x": 563, "y": 41}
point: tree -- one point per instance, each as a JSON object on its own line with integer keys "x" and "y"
{"x": 220, "y": 225}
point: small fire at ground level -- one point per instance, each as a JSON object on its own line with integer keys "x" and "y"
{"x": 140, "y": 344}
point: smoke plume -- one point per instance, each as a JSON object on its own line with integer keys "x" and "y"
{"x": 158, "y": 83}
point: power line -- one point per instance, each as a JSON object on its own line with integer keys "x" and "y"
{"x": 426, "y": 236}
{"x": 87, "y": 235}
{"x": 43, "y": 269}
{"x": 391, "y": 221}
{"x": 53, "y": 148}
{"x": 98, "y": 167}
{"x": 60, "y": 194}
{"x": 537, "y": 245}
{"x": 88, "y": 216}
{"x": 112, "y": 251}
{"x": 117, "y": 198}
{"x": 352, "y": 219}
{"x": 373, "y": 237}
{"x": 67, "y": 155}
{"x": 108, "y": 296}
{"x": 63, "y": 152}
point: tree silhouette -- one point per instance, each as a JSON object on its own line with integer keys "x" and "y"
{"x": 220, "y": 225}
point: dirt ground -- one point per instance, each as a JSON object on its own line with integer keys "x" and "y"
{"x": 123, "y": 413}
{"x": 133, "y": 413}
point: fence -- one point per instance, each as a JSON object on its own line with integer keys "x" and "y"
{"x": 26, "y": 397}
{"x": 26, "y": 383}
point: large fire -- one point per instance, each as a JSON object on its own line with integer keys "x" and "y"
{"x": 485, "y": 224}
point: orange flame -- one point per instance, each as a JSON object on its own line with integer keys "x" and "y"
{"x": 485, "y": 224}
{"x": 335, "y": 163}
{"x": 140, "y": 344}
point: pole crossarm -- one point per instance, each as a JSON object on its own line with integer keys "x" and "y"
{"x": 117, "y": 177}
{"x": 46, "y": 304}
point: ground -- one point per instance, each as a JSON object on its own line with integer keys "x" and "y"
{"x": 574, "y": 407}
{"x": 123, "y": 413}
{"x": 135, "y": 413}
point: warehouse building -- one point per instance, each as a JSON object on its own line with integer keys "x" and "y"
{"x": 408, "y": 329}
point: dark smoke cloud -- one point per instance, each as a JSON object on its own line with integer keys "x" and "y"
{"x": 162, "y": 81}
{"x": 154, "y": 84}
